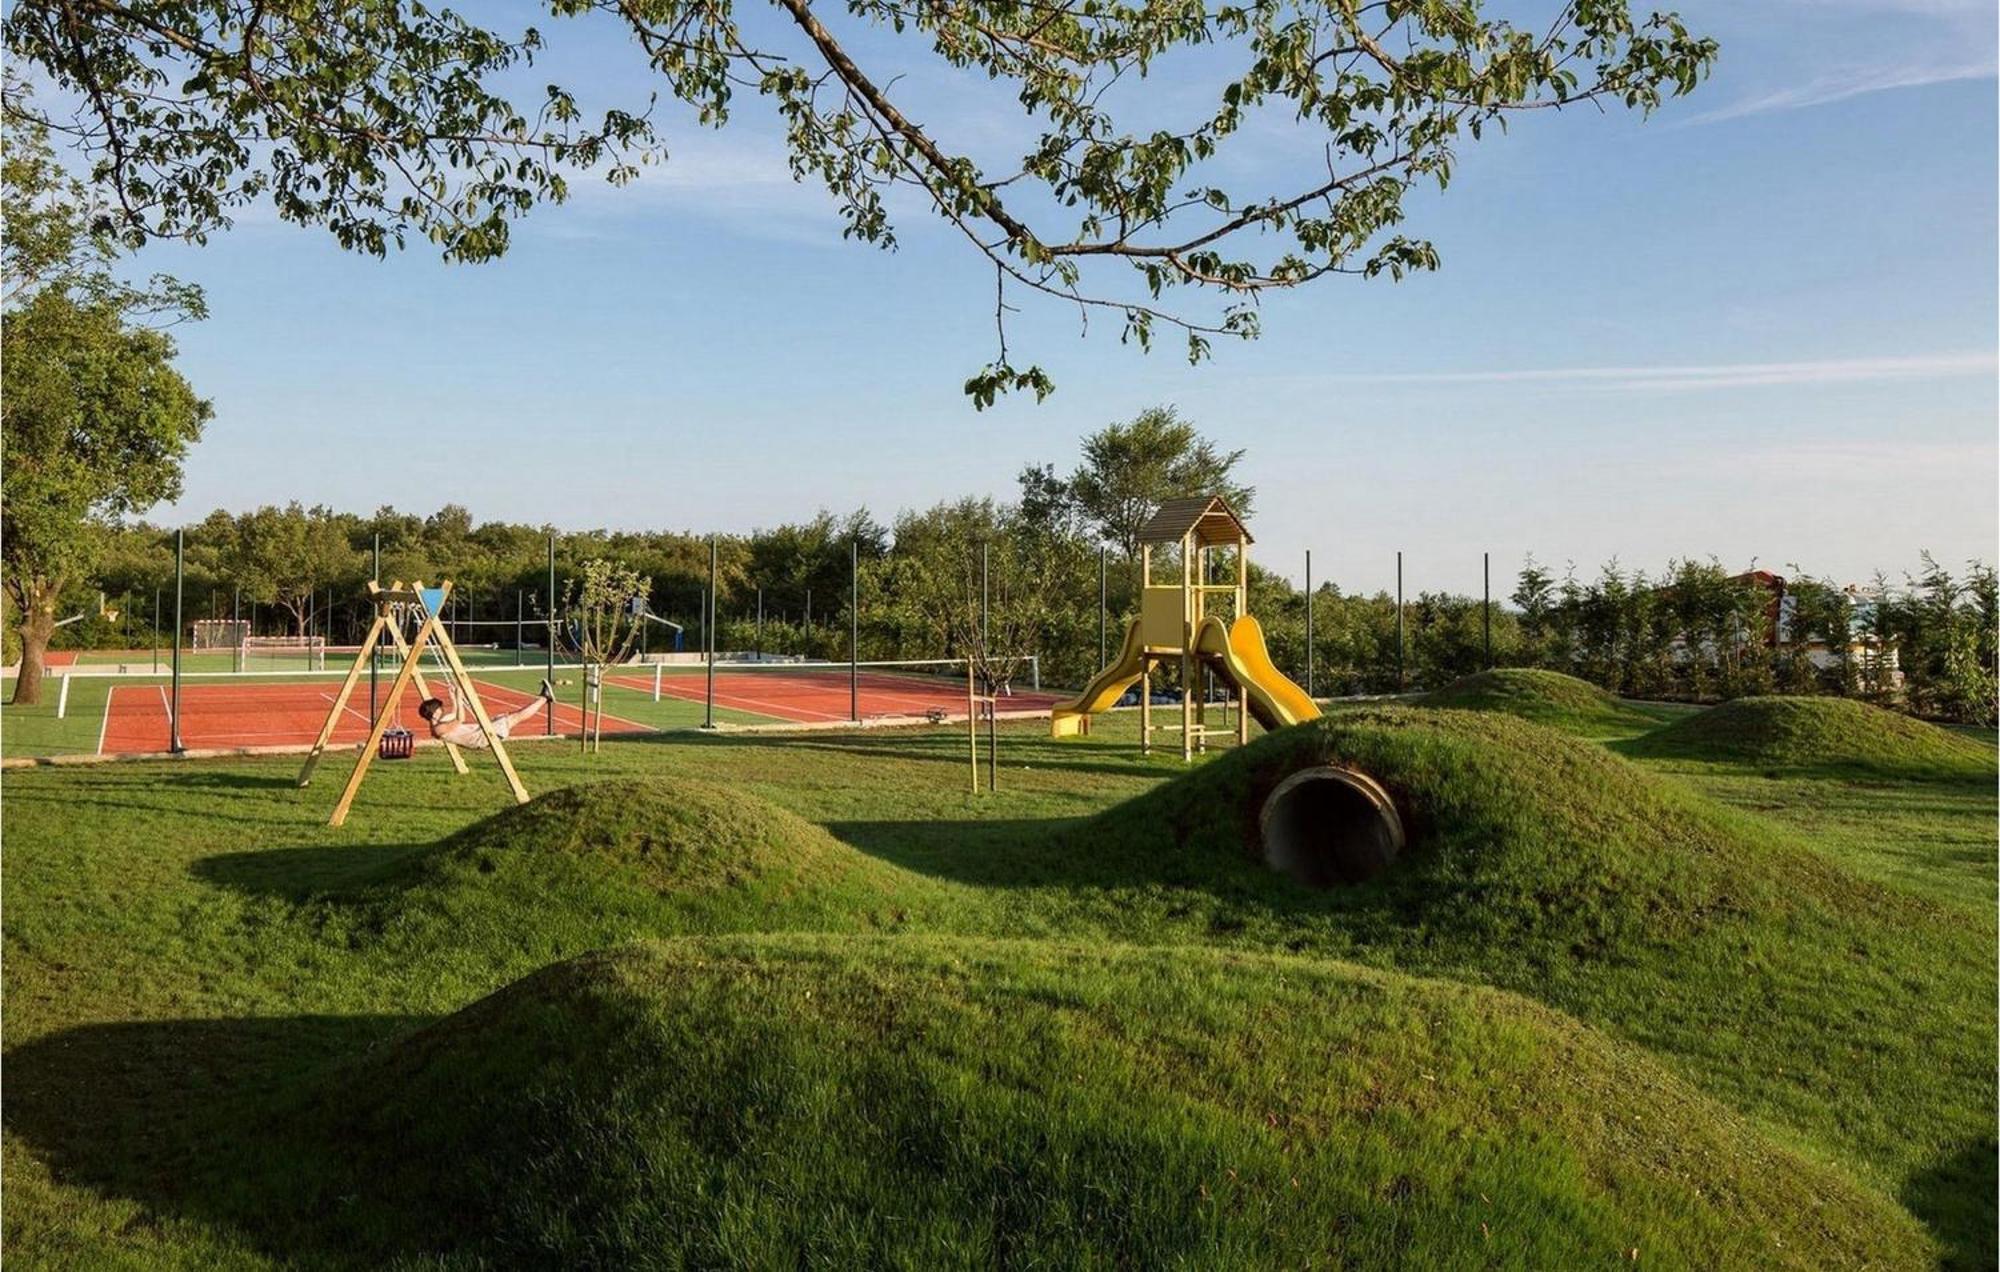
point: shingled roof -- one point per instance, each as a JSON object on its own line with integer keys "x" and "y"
{"x": 1209, "y": 516}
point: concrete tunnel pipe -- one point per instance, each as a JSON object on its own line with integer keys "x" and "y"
{"x": 1329, "y": 827}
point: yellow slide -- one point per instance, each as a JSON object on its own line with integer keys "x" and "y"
{"x": 1108, "y": 687}
{"x": 1238, "y": 652}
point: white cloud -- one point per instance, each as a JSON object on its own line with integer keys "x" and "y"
{"x": 1847, "y": 82}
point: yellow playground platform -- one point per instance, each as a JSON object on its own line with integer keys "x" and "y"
{"x": 1175, "y": 622}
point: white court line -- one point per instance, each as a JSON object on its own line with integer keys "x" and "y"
{"x": 105, "y": 728}
{"x": 757, "y": 706}
{"x": 489, "y": 688}
{"x": 349, "y": 708}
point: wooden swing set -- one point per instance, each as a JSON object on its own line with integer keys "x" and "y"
{"x": 388, "y": 739}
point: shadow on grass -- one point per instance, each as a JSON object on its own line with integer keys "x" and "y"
{"x": 300, "y": 873}
{"x": 223, "y": 779}
{"x": 1955, "y": 1200}
{"x": 942, "y": 746}
{"x": 173, "y": 1116}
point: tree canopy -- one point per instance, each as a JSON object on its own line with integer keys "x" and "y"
{"x": 283, "y": 556}
{"x": 1128, "y": 471}
{"x": 94, "y": 419}
{"x": 1086, "y": 181}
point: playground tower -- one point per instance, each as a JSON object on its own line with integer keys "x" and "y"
{"x": 1179, "y": 624}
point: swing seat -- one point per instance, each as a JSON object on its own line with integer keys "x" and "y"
{"x": 397, "y": 744}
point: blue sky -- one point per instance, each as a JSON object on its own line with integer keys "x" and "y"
{"x": 1760, "y": 325}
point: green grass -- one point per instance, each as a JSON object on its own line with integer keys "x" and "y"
{"x": 1821, "y": 736}
{"x": 1551, "y": 698}
{"x": 1554, "y": 868}
{"x": 873, "y": 1018}
{"x": 939, "y": 1102}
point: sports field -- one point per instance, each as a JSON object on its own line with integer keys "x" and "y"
{"x": 129, "y": 714}
{"x": 1646, "y": 986}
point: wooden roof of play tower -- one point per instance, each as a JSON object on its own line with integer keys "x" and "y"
{"x": 1210, "y": 517}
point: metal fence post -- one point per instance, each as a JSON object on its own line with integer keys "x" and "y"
{"x": 180, "y": 578}
{"x": 708, "y": 633}
{"x": 1399, "y": 622}
{"x": 549, "y": 660}
{"x": 375, "y": 650}
{"x": 1486, "y": 604}
{"x": 986, "y": 672}
{"x": 1103, "y": 606}
{"x": 853, "y": 628}
{"x": 1309, "y": 622}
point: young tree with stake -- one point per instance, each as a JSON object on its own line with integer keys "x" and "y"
{"x": 601, "y": 607}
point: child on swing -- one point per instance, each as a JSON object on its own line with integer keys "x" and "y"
{"x": 448, "y": 726}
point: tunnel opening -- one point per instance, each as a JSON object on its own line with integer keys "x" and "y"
{"x": 1329, "y": 827}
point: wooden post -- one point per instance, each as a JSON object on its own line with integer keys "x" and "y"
{"x": 365, "y": 656}
{"x": 1242, "y": 575}
{"x": 424, "y": 689}
{"x": 340, "y": 699}
{"x": 1198, "y": 601}
{"x": 471, "y": 696}
{"x": 1145, "y": 703}
{"x": 1145, "y": 659}
{"x": 404, "y": 675}
{"x": 1242, "y": 608}
{"x": 1188, "y": 615}
{"x": 972, "y": 724}
{"x": 411, "y": 673}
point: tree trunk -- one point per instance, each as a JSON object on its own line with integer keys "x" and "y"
{"x": 38, "y": 623}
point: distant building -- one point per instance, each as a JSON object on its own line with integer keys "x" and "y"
{"x": 1865, "y": 652}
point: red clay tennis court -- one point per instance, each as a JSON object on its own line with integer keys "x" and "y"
{"x": 224, "y": 713}
{"x": 236, "y": 715}
{"x": 819, "y": 694}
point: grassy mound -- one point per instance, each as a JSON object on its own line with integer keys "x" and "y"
{"x": 1820, "y": 734}
{"x": 1546, "y": 697}
{"x": 1550, "y": 866}
{"x": 606, "y": 862}
{"x": 936, "y": 1103}
{"x": 669, "y": 834}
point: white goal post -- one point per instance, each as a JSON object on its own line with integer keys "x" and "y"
{"x": 309, "y": 650}
{"x": 220, "y": 633}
